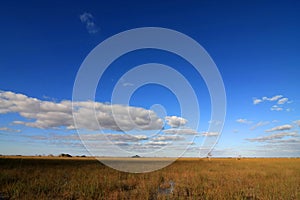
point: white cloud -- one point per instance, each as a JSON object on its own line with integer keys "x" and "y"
{"x": 46, "y": 114}
{"x": 289, "y": 141}
{"x": 157, "y": 143}
{"x": 280, "y": 128}
{"x": 243, "y": 121}
{"x": 276, "y": 108}
{"x": 102, "y": 137}
{"x": 209, "y": 134}
{"x": 88, "y": 19}
{"x": 215, "y": 122}
{"x": 257, "y": 101}
{"x": 168, "y": 138}
{"x": 274, "y": 136}
{"x": 175, "y": 121}
{"x": 127, "y": 84}
{"x": 6, "y": 129}
{"x": 274, "y": 98}
{"x": 181, "y": 131}
{"x": 297, "y": 122}
{"x": 235, "y": 130}
{"x": 282, "y": 101}
{"x": 259, "y": 124}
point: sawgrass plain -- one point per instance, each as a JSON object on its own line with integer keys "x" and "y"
{"x": 24, "y": 177}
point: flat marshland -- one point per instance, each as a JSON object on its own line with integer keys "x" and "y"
{"x": 187, "y": 178}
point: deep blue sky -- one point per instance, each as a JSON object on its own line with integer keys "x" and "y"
{"x": 255, "y": 45}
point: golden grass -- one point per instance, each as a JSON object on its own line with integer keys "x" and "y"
{"x": 86, "y": 178}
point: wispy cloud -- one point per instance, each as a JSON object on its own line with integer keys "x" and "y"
{"x": 169, "y": 138}
{"x": 257, "y": 101}
{"x": 157, "y": 143}
{"x": 259, "y": 124}
{"x": 297, "y": 122}
{"x": 6, "y": 129}
{"x": 243, "y": 121}
{"x": 235, "y": 130}
{"x": 209, "y": 134}
{"x": 88, "y": 19}
{"x": 280, "y": 128}
{"x": 181, "y": 131}
{"x": 127, "y": 84}
{"x": 273, "y": 137}
{"x": 283, "y": 100}
{"x": 276, "y": 108}
{"x": 274, "y": 98}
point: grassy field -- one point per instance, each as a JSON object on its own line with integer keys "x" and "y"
{"x": 85, "y": 178}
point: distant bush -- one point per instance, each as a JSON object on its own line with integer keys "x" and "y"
{"x": 65, "y": 155}
{"x": 136, "y": 156}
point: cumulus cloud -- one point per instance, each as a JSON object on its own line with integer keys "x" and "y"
{"x": 259, "y": 124}
{"x": 175, "y": 121}
{"x": 274, "y": 98}
{"x": 88, "y": 19}
{"x": 243, "y": 121}
{"x": 280, "y": 128}
{"x": 274, "y": 136}
{"x": 281, "y": 100}
{"x": 47, "y": 114}
{"x": 181, "y": 131}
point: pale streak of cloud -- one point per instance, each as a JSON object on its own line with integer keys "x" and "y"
{"x": 88, "y": 19}
{"x": 259, "y": 124}
{"x": 257, "y": 101}
{"x": 243, "y": 121}
{"x": 280, "y": 128}
{"x": 282, "y": 101}
{"x": 6, "y": 129}
{"x": 209, "y": 134}
{"x": 181, "y": 131}
{"x": 297, "y": 122}
{"x": 272, "y": 137}
{"x": 276, "y": 108}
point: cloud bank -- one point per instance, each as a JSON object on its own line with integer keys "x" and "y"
{"x": 46, "y": 114}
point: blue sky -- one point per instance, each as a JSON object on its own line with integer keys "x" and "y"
{"x": 255, "y": 46}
